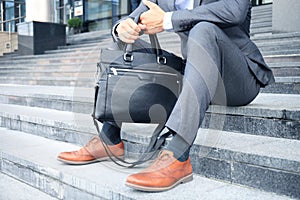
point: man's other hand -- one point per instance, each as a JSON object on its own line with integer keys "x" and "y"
{"x": 128, "y": 31}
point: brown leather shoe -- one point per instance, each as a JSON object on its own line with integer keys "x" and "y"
{"x": 163, "y": 174}
{"x": 92, "y": 152}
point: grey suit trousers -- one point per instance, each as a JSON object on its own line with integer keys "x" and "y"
{"x": 216, "y": 73}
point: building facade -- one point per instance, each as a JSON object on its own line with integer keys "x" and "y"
{"x": 95, "y": 14}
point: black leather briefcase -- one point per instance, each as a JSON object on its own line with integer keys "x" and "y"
{"x": 137, "y": 86}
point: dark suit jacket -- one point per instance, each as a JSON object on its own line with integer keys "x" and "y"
{"x": 232, "y": 16}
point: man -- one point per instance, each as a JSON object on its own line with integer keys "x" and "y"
{"x": 223, "y": 66}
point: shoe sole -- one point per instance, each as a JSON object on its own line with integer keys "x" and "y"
{"x": 185, "y": 179}
{"x": 85, "y": 162}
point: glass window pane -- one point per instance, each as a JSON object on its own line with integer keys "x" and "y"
{"x": 98, "y": 9}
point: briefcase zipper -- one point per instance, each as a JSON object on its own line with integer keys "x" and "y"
{"x": 115, "y": 71}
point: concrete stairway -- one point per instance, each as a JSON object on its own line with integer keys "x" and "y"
{"x": 250, "y": 152}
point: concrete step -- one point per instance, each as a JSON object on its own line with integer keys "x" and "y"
{"x": 262, "y": 9}
{"x": 279, "y": 59}
{"x": 88, "y": 37}
{"x": 75, "y": 99}
{"x": 43, "y": 73}
{"x": 285, "y": 69}
{"x": 261, "y": 14}
{"x": 265, "y": 40}
{"x": 166, "y": 38}
{"x": 11, "y": 188}
{"x": 277, "y": 38}
{"x": 279, "y": 111}
{"x": 8, "y": 56}
{"x": 283, "y": 85}
{"x": 100, "y": 180}
{"x": 66, "y": 126}
{"x": 260, "y": 24}
{"x": 90, "y": 44}
{"x": 291, "y": 45}
{"x": 281, "y": 52}
{"x": 73, "y": 50}
{"x": 50, "y": 81}
{"x": 279, "y": 69}
{"x": 62, "y": 56}
{"x": 50, "y": 66}
{"x": 81, "y": 47}
{"x": 49, "y": 60}
{"x": 262, "y": 41}
{"x": 267, "y": 110}
{"x": 261, "y": 20}
{"x": 79, "y": 51}
{"x": 261, "y": 31}
{"x": 56, "y": 69}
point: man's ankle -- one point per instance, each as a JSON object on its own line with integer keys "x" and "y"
{"x": 179, "y": 147}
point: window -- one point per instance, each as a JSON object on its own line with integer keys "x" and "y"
{"x": 11, "y": 13}
{"x": 100, "y": 14}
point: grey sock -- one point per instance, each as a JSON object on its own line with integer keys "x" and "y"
{"x": 179, "y": 147}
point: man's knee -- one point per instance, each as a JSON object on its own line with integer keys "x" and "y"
{"x": 204, "y": 30}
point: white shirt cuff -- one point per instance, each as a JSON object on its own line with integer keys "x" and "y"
{"x": 167, "y": 24}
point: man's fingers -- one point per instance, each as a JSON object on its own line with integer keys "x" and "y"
{"x": 128, "y": 31}
{"x": 150, "y": 4}
{"x": 131, "y": 27}
{"x": 142, "y": 26}
{"x": 127, "y": 38}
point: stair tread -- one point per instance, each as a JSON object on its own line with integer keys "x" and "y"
{"x": 277, "y": 36}
{"x": 251, "y": 144}
{"x": 57, "y": 92}
{"x": 256, "y": 145}
{"x": 105, "y": 179}
{"x": 287, "y": 79}
{"x": 83, "y": 122}
{"x": 265, "y": 105}
{"x": 9, "y": 187}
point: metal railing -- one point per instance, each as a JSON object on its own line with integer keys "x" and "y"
{"x": 9, "y": 21}
{"x": 16, "y": 19}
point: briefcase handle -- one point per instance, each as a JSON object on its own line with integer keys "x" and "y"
{"x": 128, "y": 56}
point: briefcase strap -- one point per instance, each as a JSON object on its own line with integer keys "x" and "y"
{"x": 155, "y": 144}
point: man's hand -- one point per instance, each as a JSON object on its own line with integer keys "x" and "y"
{"x": 128, "y": 31}
{"x": 151, "y": 21}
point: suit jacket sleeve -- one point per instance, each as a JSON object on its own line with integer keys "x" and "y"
{"x": 224, "y": 13}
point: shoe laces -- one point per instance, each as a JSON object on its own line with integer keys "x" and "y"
{"x": 164, "y": 159}
{"x": 94, "y": 140}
